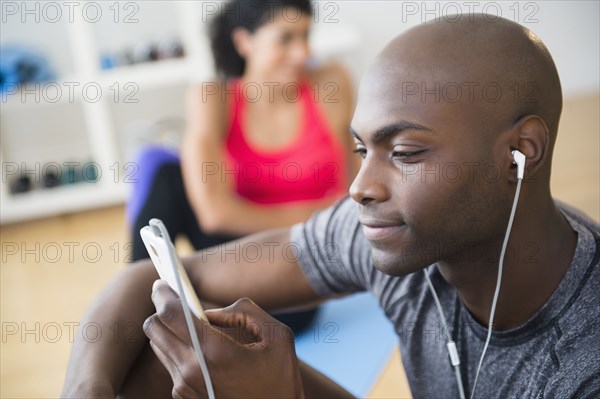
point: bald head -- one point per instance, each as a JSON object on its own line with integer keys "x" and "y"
{"x": 437, "y": 118}
{"x": 496, "y": 69}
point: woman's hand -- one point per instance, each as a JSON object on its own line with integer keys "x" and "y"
{"x": 248, "y": 353}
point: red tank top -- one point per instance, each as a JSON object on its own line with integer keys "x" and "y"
{"x": 311, "y": 167}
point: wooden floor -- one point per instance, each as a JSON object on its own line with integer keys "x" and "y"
{"x": 51, "y": 269}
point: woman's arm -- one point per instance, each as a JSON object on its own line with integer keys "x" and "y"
{"x": 336, "y": 98}
{"x": 210, "y": 192}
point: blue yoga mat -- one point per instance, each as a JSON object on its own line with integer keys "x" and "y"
{"x": 350, "y": 341}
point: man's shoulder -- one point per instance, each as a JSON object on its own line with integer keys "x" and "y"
{"x": 579, "y": 217}
{"x": 586, "y": 260}
{"x": 577, "y": 361}
{"x": 577, "y": 351}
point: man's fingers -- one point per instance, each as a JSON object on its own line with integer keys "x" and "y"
{"x": 242, "y": 323}
{"x": 164, "y": 339}
{"x": 164, "y": 359}
{"x": 180, "y": 378}
{"x": 169, "y": 309}
{"x": 170, "y": 313}
{"x": 247, "y": 323}
{"x": 245, "y": 305}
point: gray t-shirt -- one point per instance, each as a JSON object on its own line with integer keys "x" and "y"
{"x": 556, "y": 354}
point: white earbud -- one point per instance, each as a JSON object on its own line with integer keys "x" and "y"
{"x": 519, "y": 159}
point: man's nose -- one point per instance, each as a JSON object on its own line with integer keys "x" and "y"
{"x": 370, "y": 184}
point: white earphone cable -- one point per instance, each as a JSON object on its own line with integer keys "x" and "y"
{"x": 498, "y": 282}
{"x": 454, "y": 360}
{"x": 450, "y": 344}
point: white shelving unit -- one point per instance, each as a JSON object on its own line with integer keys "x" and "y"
{"x": 39, "y": 133}
{"x": 99, "y": 131}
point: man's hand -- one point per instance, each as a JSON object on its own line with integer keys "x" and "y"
{"x": 249, "y": 354}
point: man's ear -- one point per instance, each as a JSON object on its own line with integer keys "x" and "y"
{"x": 241, "y": 41}
{"x": 532, "y": 138}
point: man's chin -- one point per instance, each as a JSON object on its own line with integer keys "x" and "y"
{"x": 396, "y": 264}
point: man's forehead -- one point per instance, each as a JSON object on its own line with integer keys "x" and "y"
{"x": 387, "y": 97}
{"x": 473, "y": 75}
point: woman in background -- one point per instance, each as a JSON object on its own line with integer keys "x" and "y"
{"x": 265, "y": 147}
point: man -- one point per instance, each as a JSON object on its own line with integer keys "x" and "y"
{"x": 438, "y": 116}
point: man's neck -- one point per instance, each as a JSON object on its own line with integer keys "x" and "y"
{"x": 540, "y": 251}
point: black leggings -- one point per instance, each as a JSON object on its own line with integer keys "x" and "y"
{"x": 167, "y": 201}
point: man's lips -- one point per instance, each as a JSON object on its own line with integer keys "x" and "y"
{"x": 375, "y": 230}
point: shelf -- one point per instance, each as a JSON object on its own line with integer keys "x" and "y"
{"x": 149, "y": 75}
{"x": 31, "y": 139}
{"x": 69, "y": 90}
{"x": 60, "y": 200}
{"x": 78, "y": 128}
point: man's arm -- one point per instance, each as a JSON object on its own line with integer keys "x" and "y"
{"x": 261, "y": 267}
{"x": 316, "y": 385}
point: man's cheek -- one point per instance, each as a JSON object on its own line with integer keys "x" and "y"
{"x": 419, "y": 198}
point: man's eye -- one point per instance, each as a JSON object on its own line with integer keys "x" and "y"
{"x": 405, "y": 155}
{"x": 362, "y": 152}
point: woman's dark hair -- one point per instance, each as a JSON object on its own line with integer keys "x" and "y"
{"x": 248, "y": 14}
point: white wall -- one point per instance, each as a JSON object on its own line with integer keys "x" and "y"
{"x": 570, "y": 29}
